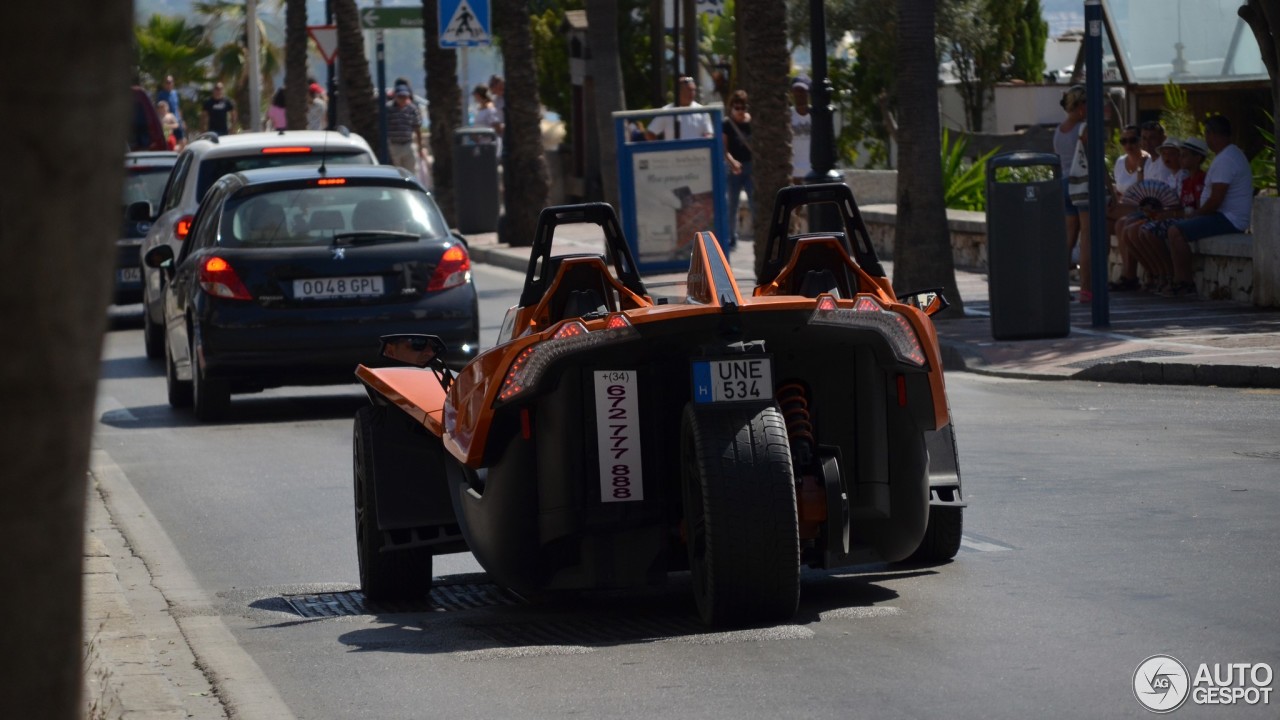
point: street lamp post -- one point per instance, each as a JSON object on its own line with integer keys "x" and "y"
{"x": 822, "y": 148}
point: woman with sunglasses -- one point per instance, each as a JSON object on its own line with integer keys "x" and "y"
{"x": 1123, "y": 219}
{"x": 737, "y": 157}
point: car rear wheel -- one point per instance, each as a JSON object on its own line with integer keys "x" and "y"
{"x": 398, "y": 575}
{"x": 179, "y": 390}
{"x": 210, "y": 396}
{"x": 740, "y": 514}
{"x": 942, "y": 535}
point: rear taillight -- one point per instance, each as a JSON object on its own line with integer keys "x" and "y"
{"x": 454, "y": 270}
{"x": 219, "y": 279}
{"x": 182, "y": 228}
{"x": 869, "y": 313}
{"x": 526, "y": 370}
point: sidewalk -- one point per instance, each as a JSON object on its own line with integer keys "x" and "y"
{"x": 1150, "y": 339}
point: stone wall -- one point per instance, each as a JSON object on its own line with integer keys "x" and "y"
{"x": 968, "y": 234}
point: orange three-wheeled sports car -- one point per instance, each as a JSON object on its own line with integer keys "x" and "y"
{"x": 610, "y": 438}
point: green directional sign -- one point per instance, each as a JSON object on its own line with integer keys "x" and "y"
{"x": 388, "y": 18}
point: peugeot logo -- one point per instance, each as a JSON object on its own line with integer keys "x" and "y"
{"x": 339, "y": 253}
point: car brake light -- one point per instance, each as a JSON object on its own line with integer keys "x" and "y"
{"x": 454, "y": 270}
{"x": 182, "y": 228}
{"x": 526, "y": 370}
{"x": 331, "y": 181}
{"x": 219, "y": 279}
{"x": 285, "y": 150}
{"x": 867, "y": 312}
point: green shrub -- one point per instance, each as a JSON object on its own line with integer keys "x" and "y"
{"x": 964, "y": 183}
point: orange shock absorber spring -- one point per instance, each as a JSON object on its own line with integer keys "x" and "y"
{"x": 793, "y": 400}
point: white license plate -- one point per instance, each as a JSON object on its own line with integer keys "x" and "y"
{"x": 737, "y": 380}
{"x": 337, "y": 287}
{"x": 129, "y": 274}
{"x": 618, "y": 436}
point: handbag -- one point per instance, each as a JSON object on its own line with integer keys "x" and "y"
{"x": 1078, "y": 176}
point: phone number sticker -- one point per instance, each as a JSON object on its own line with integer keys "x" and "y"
{"x": 618, "y": 436}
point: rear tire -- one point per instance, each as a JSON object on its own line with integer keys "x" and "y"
{"x": 740, "y": 514}
{"x": 941, "y": 539}
{"x": 179, "y": 390}
{"x": 210, "y": 396}
{"x": 398, "y": 575}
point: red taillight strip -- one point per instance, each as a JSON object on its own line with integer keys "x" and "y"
{"x": 867, "y": 312}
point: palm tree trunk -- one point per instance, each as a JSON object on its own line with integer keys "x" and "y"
{"x": 444, "y": 108}
{"x": 357, "y": 87}
{"x": 526, "y": 180}
{"x": 762, "y": 25}
{"x": 606, "y": 74}
{"x": 922, "y": 244}
{"x": 61, "y": 187}
{"x": 295, "y": 63}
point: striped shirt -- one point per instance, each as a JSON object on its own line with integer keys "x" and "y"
{"x": 403, "y": 122}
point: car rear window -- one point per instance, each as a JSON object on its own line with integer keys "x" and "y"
{"x": 316, "y": 215}
{"x": 213, "y": 168}
{"x": 145, "y": 183}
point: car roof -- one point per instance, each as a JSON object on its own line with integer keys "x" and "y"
{"x": 287, "y": 173}
{"x": 212, "y": 144}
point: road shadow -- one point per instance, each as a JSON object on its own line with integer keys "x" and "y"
{"x": 124, "y": 317}
{"x": 571, "y": 623}
{"x": 137, "y": 366}
{"x": 244, "y": 410}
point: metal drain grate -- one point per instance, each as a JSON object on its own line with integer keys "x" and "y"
{"x": 443, "y": 598}
{"x": 591, "y": 631}
{"x": 1136, "y": 355}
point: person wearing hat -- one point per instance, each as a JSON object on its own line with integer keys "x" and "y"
{"x": 1152, "y": 242}
{"x": 317, "y": 108}
{"x": 404, "y": 129}
{"x": 801, "y": 130}
{"x": 1226, "y": 203}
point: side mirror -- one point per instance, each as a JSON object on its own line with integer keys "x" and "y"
{"x": 160, "y": 256}
{"x": 139, "y": 211}
{"x": 412, "y": 349}
{"x": 930, "y": 302}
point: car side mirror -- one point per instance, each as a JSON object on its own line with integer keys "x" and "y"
{"x": 930, "y": 302}
{"x": 139, "y": 211}
{"x": 413, "y": 349}
{"x": 159, "y": 257}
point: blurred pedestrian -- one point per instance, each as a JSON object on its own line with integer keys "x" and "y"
{"x": 275, "y": 119}
{"x": 169, "y": 123}
{"x": 1065, "y": 137}
{"x": 404, "y": 129}
{"x": 801, "y": 130}
{"x": 737, "y": 146}
{"x": 218, "y": 112}
{"x": 498, "y": 89}
{"x": 673, "y": 127}
{"x": 317, "y": 108}
{"x": 169, "y": 93}
{"x": 486, "y": 114}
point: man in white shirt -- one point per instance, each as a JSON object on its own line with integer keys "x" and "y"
{"x": 675, "y": 127}
{"x": 1152, "y": 137}
{"x": 801, "y": 130}
{"x": 1225, "y": 204}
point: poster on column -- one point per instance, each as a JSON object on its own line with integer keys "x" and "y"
{"x": 673, "y": 200}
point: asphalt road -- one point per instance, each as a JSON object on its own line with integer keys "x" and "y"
{"x": 1107, "y": 523}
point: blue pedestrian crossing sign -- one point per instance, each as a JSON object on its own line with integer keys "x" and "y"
{"x": 464, "y": 23}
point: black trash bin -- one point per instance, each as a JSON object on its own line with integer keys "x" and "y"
{"x": 1026, "y": 247}
{"x": 475, "y": 179}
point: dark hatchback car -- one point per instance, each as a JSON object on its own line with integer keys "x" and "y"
{"x": 145, "y": 175}
{"x": 290, "y": 275}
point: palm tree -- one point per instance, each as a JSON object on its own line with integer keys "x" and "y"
{"x": 444, "y": 108}
{"x": 357, "y": 87}
{"x": 606, "y": 73}
{"x": 169, "y": 46}
{"x": 231, "y": 59}
{"x": 48, "y": 377}
{"x": 526, "y": 180}
{"x": 295, "y": 65}
{"x": 922, "y": 244}
{"x": 762, "y": 26}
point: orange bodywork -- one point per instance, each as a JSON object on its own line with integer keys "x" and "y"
{"x": 462, "y": 417}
